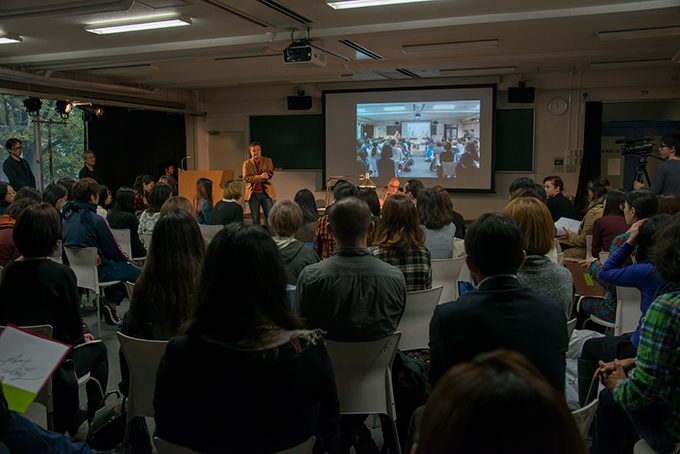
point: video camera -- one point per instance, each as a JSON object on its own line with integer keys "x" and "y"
{"x": 641, "y": 147}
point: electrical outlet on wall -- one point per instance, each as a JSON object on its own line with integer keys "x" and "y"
{"x": 567, "y": 161}
{"x": 571, "y": 169}
{"x": 568, "y": 154}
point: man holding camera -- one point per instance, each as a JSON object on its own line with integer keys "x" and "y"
{"x": 667, "y": 174}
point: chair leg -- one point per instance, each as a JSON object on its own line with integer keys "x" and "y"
{"x": 50, "y": 421}
{"x": 396, "y": 436}
{"x": 99, "y": 315}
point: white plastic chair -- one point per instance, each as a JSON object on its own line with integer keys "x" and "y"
{"x": 143, "y": 357}
{"x": 166, "y": 447}
{"x": 130, "y": 287}
{"x": 363, "y": 377}
{"x": 628, "y": 311}
{"x": 589, "y": 246}
{"x": 571, "y": 324}
{"x": 449, "y": 169}
{"x": 209, "y": 231}
{"x": 560, "y": 258}
{"x": 56, "y": 254}
{"x": 415, "y": 323}
{"x": 146, "y": 239}
{"x": 446, "y": 272}
{"x": 83, "y": 262}
{"x": 584, "y": 417}
{"x": 122, "y": 236}
{"x": 604, "y": 256}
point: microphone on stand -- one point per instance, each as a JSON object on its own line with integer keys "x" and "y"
{"x": 184, "y": 160}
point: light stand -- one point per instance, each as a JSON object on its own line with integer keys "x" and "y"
{"x": 366, "y": 182}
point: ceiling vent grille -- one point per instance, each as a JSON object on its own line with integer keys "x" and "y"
{"x": 286, "y": 11}
{"x": 238, "y": 13}
{"x": 408, "y": 73}
{"x": 362, "y": 49}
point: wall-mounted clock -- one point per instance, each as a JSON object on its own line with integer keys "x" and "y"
{"x": 557, "y": 106}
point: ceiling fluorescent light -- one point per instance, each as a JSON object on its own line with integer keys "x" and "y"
{"x": 347, "y": 4}
{"x": 442, "y": 47}
{"x": 124, "y": 69}
{"x": 630, "y": 64}
{"x": 145, "y": 23}
{"x": 477, "y": 71}
{"x": 9, "y": 38}
{"x": 657, "y": 32}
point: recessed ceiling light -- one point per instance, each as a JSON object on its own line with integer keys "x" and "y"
{"x": 347, "y": 4}
{"x": 144, "y": 23}
{"x": 9, "y": 38}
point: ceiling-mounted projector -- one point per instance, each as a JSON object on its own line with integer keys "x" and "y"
{"x": 303, "y": 55}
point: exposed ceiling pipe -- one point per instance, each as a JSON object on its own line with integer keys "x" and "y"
{"x": 13, "y": 74}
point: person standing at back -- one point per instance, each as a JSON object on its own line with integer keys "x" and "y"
{"x": 257, "y": 173}
{"x": 667, "y": 174}
{"x": 16, "y": 168}
{"x": 88, "y": 171}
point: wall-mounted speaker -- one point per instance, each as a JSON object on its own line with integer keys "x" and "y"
{"x": 299, "y": 102}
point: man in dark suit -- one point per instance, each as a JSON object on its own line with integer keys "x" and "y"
{"x": 500, "y": 313}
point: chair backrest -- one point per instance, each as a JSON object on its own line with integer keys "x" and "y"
{"x": 589, "y": 246}
{"x": 628, "y": 310}
{"x": 83, "y": 262}
{"x": 146, "y": 239}
{"x": 642, "y": 447}
{"x": 143, "y": 357}
{"x": 604, "y": 256}
{"x": 123, "y": 238}
{"x": 584, "y": 417}
{"x": 209, "y": 231}
{"x": 56, "y": 254}
{"x": 571, "y": 324}
{"x": 363, "y": 376}
{"x": 415, "y": 323}
{"x": 449, "y": 169}
{"x": 446, "y": 272}
{"x": 560, "y": 258}
{"x": 130, "y": 287}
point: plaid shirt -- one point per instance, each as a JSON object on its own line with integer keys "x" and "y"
{"x": 416, "y": 267}
{"x": 605, "y": 308}
{"x": 656, "y": 376}
{"x": 140, "y": 203}
{"x": 324, "y": 243}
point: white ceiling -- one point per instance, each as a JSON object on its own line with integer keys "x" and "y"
{"x": 533, "y": 36}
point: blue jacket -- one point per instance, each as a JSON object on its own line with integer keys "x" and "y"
{"x": 83, "y": 227}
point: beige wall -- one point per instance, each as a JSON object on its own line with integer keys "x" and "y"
{"x": 228, "y": 110}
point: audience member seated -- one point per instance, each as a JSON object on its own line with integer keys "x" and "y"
{"x": 641, "y": 275}
{"x": 180, "y": 202}
{"x": 122, "y": 217}
{"x": 611, "y": 224}
{"x": 521, "y": 182}
{"x": 539, "y": 273}
{"x": 35, "y": 290}
{"x": 385, "y": 163}
{"x": 497, "y": 402}
{"x": 642, "y": 393}
{"x": 668, "y": 203}
{"x": 529, "y": 192}
{"x": 458, "y": 220}
{"x": 500, "y": 313}
{"x": 82, "y": 228}
{"x": 310, "y": 215}
{"x": 437, "y": 221}
{"x": 467, "y": 168}
{"x": 400, "y": 241}
{"x": 285, "y": 219}
{"x": 169, "y": 179}
{"x": 254, "y": 361}
{"x": 30, "y": 193}
{"x": 147, "y": 221}
{"x": 68, "y": 184}
{"x": 105, "y": 200}
{"x": 370, "y": 196}
{"x": 6, "y": 196}
{"x": 204, "y": 201}
{"x": 640, "y": 204}
{"x": 597, "y": 191}
{"x": 558, "y": 204}
{"x": 8, "y": 250}
{"x": 385, "y": 192}
{"x": 324, "y": 243}
{"x": 413, "y": 188}
{"x": 56, "y": 195}
{"x": 142, "y": 187}
{"x": 228, "y": 209}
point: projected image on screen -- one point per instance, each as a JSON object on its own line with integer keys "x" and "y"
{"x": 426, "y": 139}
{"x": 439, "y": 135}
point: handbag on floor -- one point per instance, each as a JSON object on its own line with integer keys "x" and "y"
{"x": 107, "y": 428}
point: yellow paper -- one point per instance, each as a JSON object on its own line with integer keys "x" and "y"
{"x": 17, "y": 399}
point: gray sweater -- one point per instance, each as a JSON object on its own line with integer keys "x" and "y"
{"x": 547, "y": 278}
{"x": 440, "y": 242}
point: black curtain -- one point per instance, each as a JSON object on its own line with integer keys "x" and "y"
{"x": 128, "y": 143}
{"x": 590, "y": 164}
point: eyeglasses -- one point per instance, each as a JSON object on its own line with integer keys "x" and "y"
{"x": 18, "y": 147}
{"x": 623, "y": 206}
{"x": 663, "y": 146}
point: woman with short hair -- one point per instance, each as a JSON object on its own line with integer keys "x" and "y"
{"x": 248, "y": 344}
{"x": 437, "y": 221}
{"x": 558, "y": 204}
{"x": 400, "y": 241}
{"x": 539, "y": 272}
{"x": 228, "y": 209}
{"x": 285, "y": 219}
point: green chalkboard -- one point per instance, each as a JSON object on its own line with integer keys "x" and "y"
{"x": 515, "y": 140}
{"x": 293, "y": 142}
